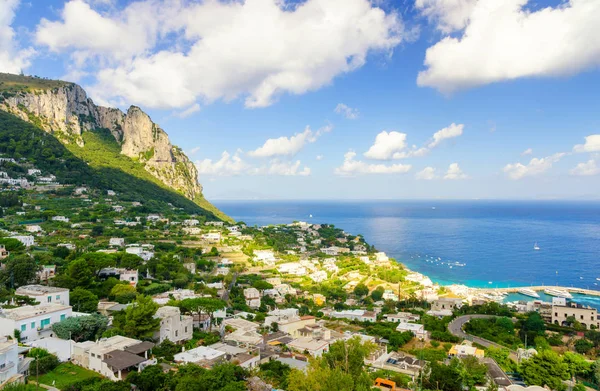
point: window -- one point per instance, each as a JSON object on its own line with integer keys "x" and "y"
{"x": 186, "y": 329}
{"x": 581, "y": 317}
{"x": 45, "y": 322}
{"x": 62, "y": 317}
{"x": 556, "y": 314}
{"x": 49, "y": 299}
{"x": 176, "y": 333}
{"x": 32, "y": 325}
{"x": 23, "y": 327}
{"x": 57, "y": 297}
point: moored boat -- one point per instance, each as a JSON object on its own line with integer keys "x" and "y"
{"x": 558, "y": 293}
{"x": 528, "y": 292}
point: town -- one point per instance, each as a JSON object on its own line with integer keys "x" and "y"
{"x": 101, "y": 291}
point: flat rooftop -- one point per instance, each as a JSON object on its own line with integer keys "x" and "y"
{"x": 30, "y": 311}
{"x": 38, "y": 290}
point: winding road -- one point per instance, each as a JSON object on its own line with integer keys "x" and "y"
{"x": 456, "y": 328}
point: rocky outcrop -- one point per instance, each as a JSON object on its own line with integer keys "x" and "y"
{"x": 67, "y": 112}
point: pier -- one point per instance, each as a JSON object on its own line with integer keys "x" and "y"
{"x": 582, "y": 291}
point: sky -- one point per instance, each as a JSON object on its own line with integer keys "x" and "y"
{"x": 341, "y": 99}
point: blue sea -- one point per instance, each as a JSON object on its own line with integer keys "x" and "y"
{"x": 477, "y": 243}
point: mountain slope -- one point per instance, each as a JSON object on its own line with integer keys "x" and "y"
{"x": 104, "y": 137}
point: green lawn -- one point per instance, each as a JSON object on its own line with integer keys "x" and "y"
{"x": 64, "y": 375}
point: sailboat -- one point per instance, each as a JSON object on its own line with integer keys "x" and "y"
{"x": 536, "y": 247}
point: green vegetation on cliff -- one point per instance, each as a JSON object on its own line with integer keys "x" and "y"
{"x": 99, "y": 164}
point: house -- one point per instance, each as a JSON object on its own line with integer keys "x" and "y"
{"x": 113, "y": 357}
{"x": 203, "y": 356}
{"x": 402, "y": 317}
{"x": 27, "y": 241}
{"x": 294, "y": 268}
{"x": 33, "y": 228}
{"x": 214, "y": 223}
{"x": 131, "y": 276}
{"x": 34, "y": 172}
{"x": 319, "y": 276}
{"x": 33, "y": 322}
{"x": 143, "y": 251}
{"x": 314, "y": 347}
{"x": 389, "y": 294}
{"x": 237, "y": 355}
{"x": 61, "y": 218}
{"x": 47, "y": 272}
{"x": 118, "y": 208}
{"x": 3, "y": 252}
{"x": 348, "y": 314}
{"x": 80, "y": 190}
{"x": 190, "y": 266}
{"x": 294, "y": 325}
{"x": 61, "y": 348}
{"x": 45, "y": 294}
{"x": 116, "y": 242}
{"x": 417, "y": 329}
{"x": 446, "y": 304}
{"x": 212, "y": 237}
{"x": 111, "y": 193}
{"x": 173, "y": 326}
{"x": 191, "y": 222}
{"x": 585, "y": 315}
{"x": 368, "y": 316}
{"x": 68, "y": 246}
{"x": 332, "y": 251}
{"x": 266, "y": 256}
{"x": 464, "y": 351}
{"x": 9, "y": 358}
{"x": 252, "y": 296}
{"x": 381, "y": 257}
{"x": 192, "y": 230}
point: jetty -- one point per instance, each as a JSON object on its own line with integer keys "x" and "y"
{"x": 582, "y": 291}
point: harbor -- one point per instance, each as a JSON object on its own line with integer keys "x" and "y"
{"x": 581, "y": 291}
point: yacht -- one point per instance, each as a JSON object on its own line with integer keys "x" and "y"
{"x": 558, "y": 293}
{"x": 528, "y": 292}
{"x": 536, "y": 247}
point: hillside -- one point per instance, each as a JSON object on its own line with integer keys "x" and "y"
{"x": 106, "y": 138}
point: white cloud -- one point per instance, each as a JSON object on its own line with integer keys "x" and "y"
{"x": 451, "y": 131}
{"x": 428, "y": 174}
{"x": 450, "y": 15}
{"x": 283, "y": 168}
{"x": 586, "y": 169}
{"x": 392, "y": 145}
{"x": 189, "y": 111}
{"x": 454, "y": 172}
{"x": 503, "y": 40}
{"x": 227, "y": 165}
{"x": 386, "y": 145}
{"x": 527, "y": 152}
{"x": 166, "y": 54}
{"x": 592, "y": 144}
{"x": 12, "y": 59}
{"x": 193, "y": 151}
{"x": 346, "y": 111}
{"x": 289, "y": 146}
{"x": 319, "y": 157}
{"x": 535, "y": 167}
{"x": 353, "y": 167}
{"x": 230, "y": 165}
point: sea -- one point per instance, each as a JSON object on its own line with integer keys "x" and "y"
{"x": 477, "y": 243}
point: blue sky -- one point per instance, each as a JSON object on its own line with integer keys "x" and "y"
{"x": 477, "y": 98}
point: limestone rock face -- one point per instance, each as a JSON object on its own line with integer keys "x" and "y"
{"x": 67, "y": 112}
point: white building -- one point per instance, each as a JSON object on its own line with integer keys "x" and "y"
{"x": 389, "y": 294}
{"x": 27, "y": 241}
{"x": 319, "y": 276}
{"x": 192, "y": 230}
{"x": 314, "y": 347}
{"x": 111, "y": 193}
{"x": 191, "y": 222}
{"x": 202, "y": 355}
{"x": 9, "y": 358}
{"x": 294, "y": 268}
{"x": 116, "y": 242}
{"x": 61, "y": 348}
{"x": 252, "y": 296}
{"x": 402, "y": 317}
{"x": 33, "y": 228}
{"x": 34, "y": 171}
{"x": 33, "y": 322}
{"x": 113, "y": 356}
{"x": 173, "y": 326}
{"x": 144, "y": 251}
{"x": 266, "y": 256}
{"x": 417, "y": 329}
{"x": 61, "y": 218}
{"x": 45, "y": 294}
{"x": 212, "y": 237}
{"x": 69, "y": 246}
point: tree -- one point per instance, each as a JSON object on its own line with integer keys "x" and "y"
{"x": 443, "y": 377}
{"x": 81, "y": 328}
{"x": 200, "y": 305}
{"x": 97, "y": 230}
{"x": 577, "y": 364}
{"x": 20, "y": 270}
{"x": 83, "y": 300}
{"x": 138, "y": 320}
{"x": 545, "y": 369}
{"x": 128, "y": 261}
{"x": 261, "y": 285}
{"x": 472, "y": 372}
{"x": 276, "y": 373}
{"x": 149, "y": 379}
{"x": 361, "y": 290}
{"x": 12, "y": 245}
{"x": 583, "y": 346}
{"x": 541, "y": 343}
{"x": 377, "y": 294}
{"x": 166, "y": 349}
{"x": 77, "y": 274}
{"x": 123, "y": 293}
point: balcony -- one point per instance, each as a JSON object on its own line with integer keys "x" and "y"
{"x": 6, "y": 367}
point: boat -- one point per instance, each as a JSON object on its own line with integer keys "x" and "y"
{"x": 528, "y": 292}
{"x": 536, "y": 247}
{"x": 558, "y": 293}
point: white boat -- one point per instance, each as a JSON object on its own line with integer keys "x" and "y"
{"x": 558, "y": 293}
{"x": 528, "y": 292}
{"x": 536, "y": 247}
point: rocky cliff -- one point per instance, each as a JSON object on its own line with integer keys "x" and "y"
{"x": 64, "y": 110}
